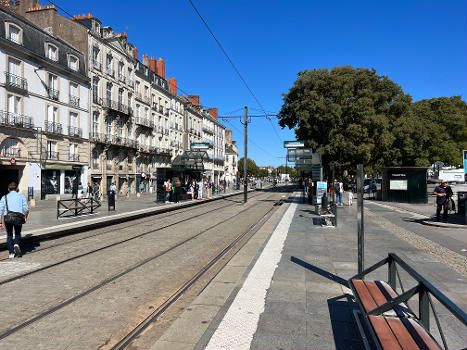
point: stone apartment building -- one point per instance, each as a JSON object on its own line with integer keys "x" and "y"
{"x": 44, "y": 107}
{"x": 231, "y": 159}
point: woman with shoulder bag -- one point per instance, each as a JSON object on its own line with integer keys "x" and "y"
{"x": 15, "y": 211}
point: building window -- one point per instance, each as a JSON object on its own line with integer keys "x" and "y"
{"x": 10, "y": 148}
{"x": 51, "y": 150}
{"x": 137, "y": 87}
{"x": 14, "y": 73}
{"x": 95, "y": 90}
{"x": 108, "y": 125}
{"x": 74, "y": 99}
{"x": 95, "y": 58}
{"x": 121, "y": 76}
{"x": 109, "y": 160}
{"x": 52, "y": 88}
{"x": 73, "y": 63}
{"x": 95, "y": 159}
{"x": 108, "y": 91}
{"x": 108, "y": 65}
{"x": 120, "y": 128}
{"x": 73, "y": 129}
{"x": 95, "y": 124}
{"x": 14, "y": 33}
{"x": 73, "y": 155}
{"x": 52, "y": 52}
{"x": 14, "y": 103}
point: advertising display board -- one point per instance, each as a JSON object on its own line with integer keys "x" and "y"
{"x": 321, "y": 189}
{"x": 200, "y": 146}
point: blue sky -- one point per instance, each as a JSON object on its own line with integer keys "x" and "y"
{"x": 421, "y": 45}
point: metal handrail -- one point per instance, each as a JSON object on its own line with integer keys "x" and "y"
{"x": 74, "y": 131}
{"x": 11, "y": 152}
{"x": 77, "y": 206}
{"x": 16, "y": 81}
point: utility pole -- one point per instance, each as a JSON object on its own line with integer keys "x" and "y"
{"x": 245, "y": 159}
{"x": 360, "y": 227}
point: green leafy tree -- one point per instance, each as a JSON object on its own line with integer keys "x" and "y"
{"x": 347, "y": 114}
{"x": 288, "y": 170}
{"x": 263, "y": 173}
{"x": 252, "y": 168}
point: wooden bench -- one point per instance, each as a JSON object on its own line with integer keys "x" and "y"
{"x": 388, "y": 319}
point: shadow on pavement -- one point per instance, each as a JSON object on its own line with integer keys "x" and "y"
{"x": 319, "y": 271}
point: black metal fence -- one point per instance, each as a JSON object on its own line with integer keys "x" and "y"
{"x": 76, "y": 207}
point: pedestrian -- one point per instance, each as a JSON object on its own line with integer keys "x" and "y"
{"x": 350, "y": 194}
{"x": 191, "y": 191}
{"x": 74, "y": 191}
{"x": 341, "y": 193}
{"x": 80, "y": 190}
{"x": 15, "y": 211}
{"x": 200, "y": 189}
{"x": 89, "y": 191}
{"x": 177, "y": 185}
{"x": 141, "y": 187}
{"x": 443, "y": 194}
{"x": 113, "y": 190}
{"x": 168, "y": 189}
{"x": 336, "y": 188}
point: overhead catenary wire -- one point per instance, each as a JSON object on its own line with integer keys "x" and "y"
{"x": 235, "y": 68}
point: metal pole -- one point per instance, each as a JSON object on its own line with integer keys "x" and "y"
{"x": 332, "y": 184}
{"x": 361, "y": 246}
{"x": 245, "y": 160}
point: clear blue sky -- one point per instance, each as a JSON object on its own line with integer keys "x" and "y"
{"x": 421, "y": 45}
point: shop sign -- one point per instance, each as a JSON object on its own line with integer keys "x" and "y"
{"x": 294, "y": 144}
{"x": 12, "y": 161}
{"x": 200, "y": 146}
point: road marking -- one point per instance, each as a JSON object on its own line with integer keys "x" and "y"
{"x": 239, "y": 324}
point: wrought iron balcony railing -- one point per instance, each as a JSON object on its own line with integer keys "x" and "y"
{"x": 15, "y": 119}
{"x": 53, "y": 94}
{"x": 11, "y": 152}
{"x": 51, "y": 155}
{"x": 74, "y": 101}
{"x": 115, "y": 105}
{"x": 16, "y": 81}
{"x": 53, "y": 127}
{"x": 73, "y": 157}
{"x": 74, "y": 131}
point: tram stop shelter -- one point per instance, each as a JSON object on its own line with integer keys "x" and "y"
{"x": 187, "y": 166}
{"x": 405, "y": 185}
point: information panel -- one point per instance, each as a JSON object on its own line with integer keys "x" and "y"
{"x": 321, "y": 189}
{"x": 398, "y": 185}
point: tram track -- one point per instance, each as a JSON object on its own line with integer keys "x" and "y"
{"x": 163, "y": 307}
{"x": 106, "y": 281}
{"x": 173, "y": 213}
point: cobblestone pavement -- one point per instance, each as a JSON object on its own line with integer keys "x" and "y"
{"x": 90, "y": 289}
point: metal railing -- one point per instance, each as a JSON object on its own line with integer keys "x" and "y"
{"x": 73, "y": 157}
{"x": 51, "y": 155}
{"x": 11, "y": 152}
{"x": 53, "y": 94}
{"x": 424, "y": 289}
{"x": 15, "y": 119}
{"x": 16, "y": 81}
{"x": 77, "y": 206}
{"x": 142, "y": 121}
{"x": 53, "y": 127}
{"x": 74, "y": 101}
{"x": 115, "y": 105}
{"x": 74, "y": 131}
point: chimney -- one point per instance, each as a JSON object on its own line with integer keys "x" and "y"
{"x": 153, "y": 65}
{"x": 213, "y": 112}
{"x": 146, "y": 60}
{"x": 228, "y": 136}
{"x": 135, "y": 53}
{"x": 161, "y": 67}
{"x": 172, "y": 85}
{"x": 194, "y": 99}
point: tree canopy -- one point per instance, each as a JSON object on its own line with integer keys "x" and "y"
{"x": 252, "y": 168}
{"x": 353, "y": 115}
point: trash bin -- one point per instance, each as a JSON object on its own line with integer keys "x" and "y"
{"x": 461, "y": 200}
{"x": 111, "y": 200}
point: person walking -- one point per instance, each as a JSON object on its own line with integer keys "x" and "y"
{"x": 350, "y": 194}
{"x": 80, "y": 190}
{"x": 74, "y": 191}
{"x": 168, "y": 189}
{"x": 96, "y": 191}
{"x": 200, "y": 189}
{"x": 443, "y": 193}
{"x": 15, "y": 211}
{"x": 177, "y": 185}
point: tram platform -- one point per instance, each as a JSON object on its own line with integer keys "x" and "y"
{"x": 287, "y": 288}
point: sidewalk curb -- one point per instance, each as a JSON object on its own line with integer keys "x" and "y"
{"x": 80, "y": 226}
{"x": 442, "y": 224}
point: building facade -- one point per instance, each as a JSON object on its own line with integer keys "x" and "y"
{"x": 44, "y": 103}
{"x": 231, "y": 159}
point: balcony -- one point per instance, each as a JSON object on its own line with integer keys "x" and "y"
{"x": 208, "y": 129}
{"x": 11, "y": 152}
{"x": 143, "y": 122}
{"x": 115, "y": 105}
{"x": 98, "y": 137}
{"x": 51, "y": 155}
{"x": 121, "y": 77}
{"x": 74, "y": 101}
{"x": 15, "y": 119}
{"x": 75, "y": 132}
{"x": 96, "y": 64}
{"x": 16, "y": 82}
{"x": 73, "y": 157}
{"x": 109, "y": 71}
{"x": 52, "y": 127}
{"x": 53, "y": 94}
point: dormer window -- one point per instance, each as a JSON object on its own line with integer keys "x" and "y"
{"x": 73, "y": 63}
{"x": 52, "y": 52}
{"x": 146, "y": 71}
{"x": 14, "y": 33}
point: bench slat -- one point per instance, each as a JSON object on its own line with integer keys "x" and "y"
{"x": 364, "y": 295}
{"x": 384, "y": 333}
{"x": 424, "y": 338}
{"x": 402, "y": 334}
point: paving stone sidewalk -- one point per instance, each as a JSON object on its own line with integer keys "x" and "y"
{"x": 308, "y": 305}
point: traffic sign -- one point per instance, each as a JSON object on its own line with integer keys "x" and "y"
{"x": 294, "y": 144}
{"x": 12, "y": 161}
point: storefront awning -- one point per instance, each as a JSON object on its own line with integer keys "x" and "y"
{"x": 190, "y": 160}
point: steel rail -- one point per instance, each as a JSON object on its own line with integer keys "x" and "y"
{"x": 108, "y": 280}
